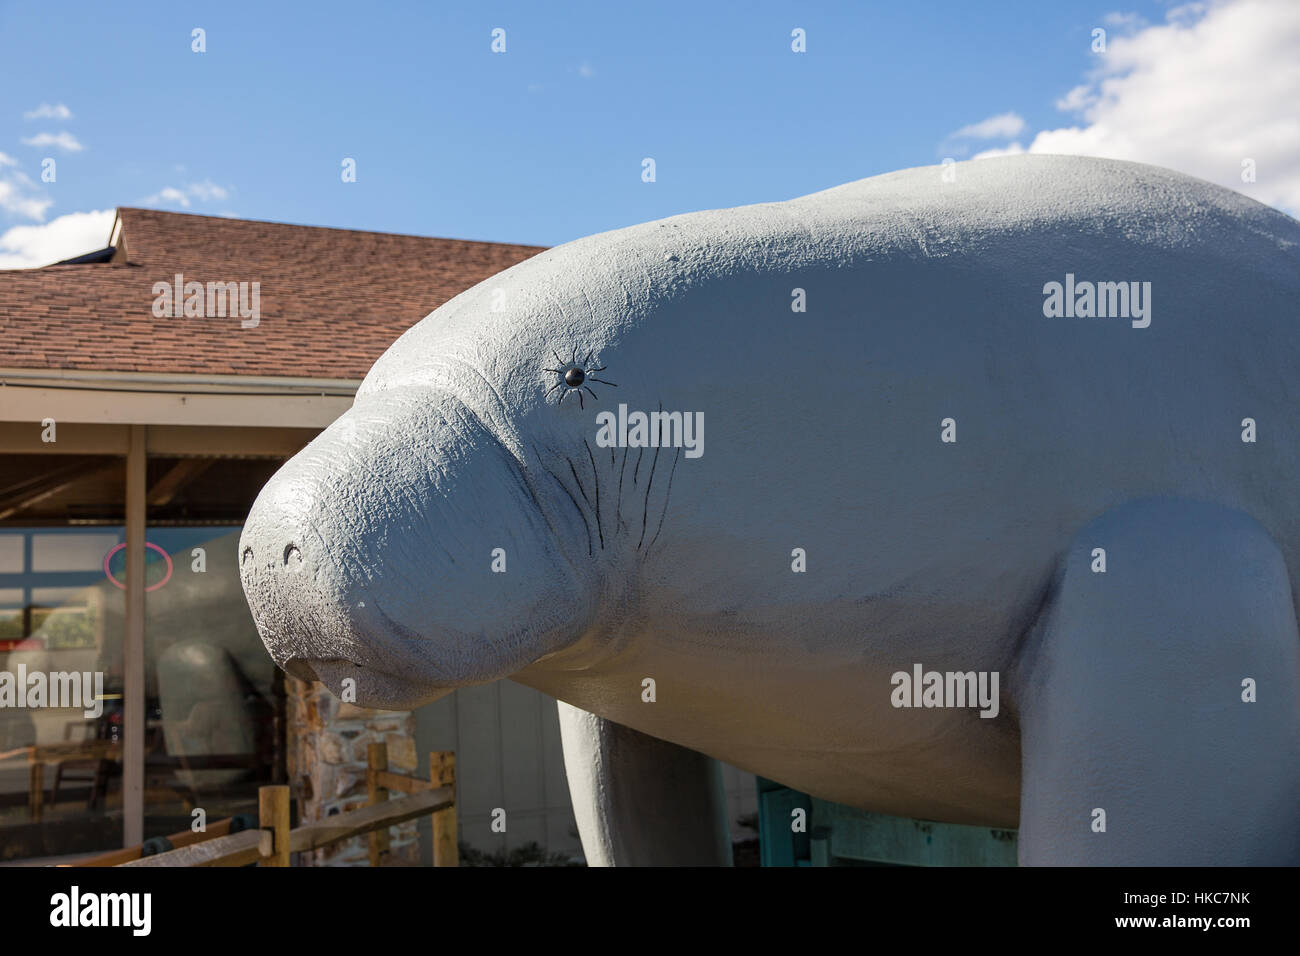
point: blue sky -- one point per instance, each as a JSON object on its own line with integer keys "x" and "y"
{"x": 544, "y": 143}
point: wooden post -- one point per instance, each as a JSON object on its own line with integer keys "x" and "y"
{"x": 377, "y": 762}
{"x": 273, "y": 818}
{"x": 133, "y": 664}
{"x": 442, "y": 773}
{"x": 36, "y": 791}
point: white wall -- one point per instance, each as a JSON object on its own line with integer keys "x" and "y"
{"x": 508, "y": 755}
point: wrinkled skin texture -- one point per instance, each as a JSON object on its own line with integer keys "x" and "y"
{"x": 369, "y": 555}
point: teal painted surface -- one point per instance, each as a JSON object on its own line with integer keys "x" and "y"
{"x": 878, "y": 838}
{"x": 844, "y": 836}
{"x": 778, "y": 844}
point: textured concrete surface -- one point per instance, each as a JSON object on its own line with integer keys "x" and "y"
{"x": 369, "y": 557}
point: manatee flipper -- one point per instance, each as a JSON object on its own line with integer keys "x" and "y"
{"x": 641, "y": 801}
{"x": 1131, "y": 697}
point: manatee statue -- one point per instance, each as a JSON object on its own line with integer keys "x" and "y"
{"x": 992, "y": 521}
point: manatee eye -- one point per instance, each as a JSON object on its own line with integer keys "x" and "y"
{"x": 574, "y": 376}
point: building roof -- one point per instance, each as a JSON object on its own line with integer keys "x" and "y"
{"x": 331, "y": 300}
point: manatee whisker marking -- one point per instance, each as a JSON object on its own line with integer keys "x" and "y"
{"x": 553, "y": 388}
{"x": 578, "y": 480}
{"x": 637, "y": 469}
{"x": 645, "y": 510}
{"x": 561, "y": 483}
{"x": 596, "y": 478}
{"x": 585, "y": 523}
{"x": 522, "y": 477}
{"x": 592, "y": 378}
{"x": 667, "y": 493}
{"x": 593, "y": 394}
{"x": 618, "y": 510}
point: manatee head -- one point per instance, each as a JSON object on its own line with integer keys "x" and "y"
{"x": 443, "y": 532}
{"x": 370, "y": 555}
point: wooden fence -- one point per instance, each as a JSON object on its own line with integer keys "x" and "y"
{"x": 273, "y": 840}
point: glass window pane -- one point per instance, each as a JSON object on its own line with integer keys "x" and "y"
{"x": 215, "y": 701}
{"x": 61, "y": 629}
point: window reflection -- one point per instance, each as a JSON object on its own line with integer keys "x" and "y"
{"x": 210, "y": 682}
{"x": 60, "y": 769}
{"x": 214, "y": 701}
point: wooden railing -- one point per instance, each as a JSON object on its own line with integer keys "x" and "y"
{"x": 272, "y": 842}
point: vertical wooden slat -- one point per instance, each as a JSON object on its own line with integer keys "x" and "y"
{"x": 376, "y": 761}
{"x": 442, "y": 773}
{"x": 273, "y": 815}
{"x": 133, "y": 690}
{"x": 36, "y": 789}
{"x": 279, "y": 728}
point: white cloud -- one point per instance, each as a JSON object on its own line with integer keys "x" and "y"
{"x": 1011, "y": 149}
{"x": 166, "y": 194}
{"x": 46, "y": 111}
{"x": 995, "y": 127}
{"x": 1187, "y": 12}
{"x": 25, "y": 247}
{"x": 1079, "y": 98}
{"x": 18, "y": 200}
{"x": 65, "y": 141}
{"x": 206, "y": 191}
{"x": 19, "y": 196}
{"x": 585, "y": 71}
{"x": 1130, "y": 21}
{"x": 1215, "y": 85}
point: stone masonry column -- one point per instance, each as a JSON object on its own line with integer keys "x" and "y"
{"x": 326, "y": 757}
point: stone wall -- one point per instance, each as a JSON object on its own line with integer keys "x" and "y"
{"x": 326, "y": 758}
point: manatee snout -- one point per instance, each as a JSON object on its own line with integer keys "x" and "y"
{"x": 369, "y": 556}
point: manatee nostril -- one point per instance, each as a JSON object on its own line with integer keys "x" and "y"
{"x": 292, "y": 556}
{"x": 246, "y": 558}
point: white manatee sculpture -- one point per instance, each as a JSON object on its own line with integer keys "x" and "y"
{"x": 1103, "y": 548}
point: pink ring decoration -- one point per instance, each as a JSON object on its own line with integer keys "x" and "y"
{"x": 148, "y": 544}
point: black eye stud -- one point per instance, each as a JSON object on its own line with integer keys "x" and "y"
{"x": 574, "y": 376}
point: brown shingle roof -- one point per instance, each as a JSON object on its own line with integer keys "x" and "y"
{"x": 332, "y": 300}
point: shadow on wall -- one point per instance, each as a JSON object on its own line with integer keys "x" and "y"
{"x": 510, "y": 769}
